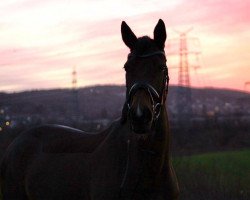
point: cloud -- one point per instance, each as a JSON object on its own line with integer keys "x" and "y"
{"x": 41, "y": 41}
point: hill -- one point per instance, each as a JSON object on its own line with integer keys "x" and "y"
{"x": 107, "y": 101}
{"x": 220, "y": 120}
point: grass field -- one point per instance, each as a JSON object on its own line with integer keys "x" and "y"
{"x": 223, "y": 175}
{"x": 214, "y": 176}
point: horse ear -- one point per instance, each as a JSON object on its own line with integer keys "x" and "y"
{"x": 160, "y": 34}
{"x": 128, "y": 36}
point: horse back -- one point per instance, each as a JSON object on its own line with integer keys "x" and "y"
{"x": 63, "y": 139}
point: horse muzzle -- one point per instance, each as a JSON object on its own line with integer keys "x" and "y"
{"x": 141, "y": 119}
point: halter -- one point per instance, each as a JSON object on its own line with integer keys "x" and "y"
{"x": 157, "y": 99}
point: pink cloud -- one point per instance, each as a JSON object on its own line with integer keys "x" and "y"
{"x": 96, "y": 47}
{"x": 220, "y": 17}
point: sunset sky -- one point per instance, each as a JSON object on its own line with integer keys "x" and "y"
{"x": 42, "y": 40}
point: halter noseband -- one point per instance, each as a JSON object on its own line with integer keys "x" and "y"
{"x": 157, "y": 99}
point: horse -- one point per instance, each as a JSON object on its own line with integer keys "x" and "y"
{"x": 130, "y": 160}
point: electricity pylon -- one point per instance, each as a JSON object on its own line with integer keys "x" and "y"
{"x": 75, "y": 101}
{"x": 184, "y": 100}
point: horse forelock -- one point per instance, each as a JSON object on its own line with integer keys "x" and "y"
{"x": 145, "y": 45}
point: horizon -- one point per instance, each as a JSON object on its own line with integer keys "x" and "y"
{"x": 43, "y": 41}
{"x": 117, "y": 85}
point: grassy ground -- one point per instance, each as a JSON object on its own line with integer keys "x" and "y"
{"x": 223, "y": 175}
{"x": 214, "y": 176}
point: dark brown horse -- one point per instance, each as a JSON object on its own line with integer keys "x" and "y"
{"x": 129, "y": 160}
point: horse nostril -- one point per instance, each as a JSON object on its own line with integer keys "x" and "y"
{"x": 141, "y": 115}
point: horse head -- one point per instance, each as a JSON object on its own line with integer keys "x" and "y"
{"x": 146, "y": 78}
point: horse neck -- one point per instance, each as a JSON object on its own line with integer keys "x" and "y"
{"x": 162, "y": 134}
{"x": 160, "y": 143}
{"x": 150, "y": 163}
